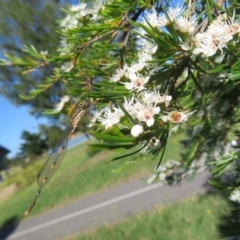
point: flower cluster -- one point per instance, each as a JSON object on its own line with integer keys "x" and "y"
{"x": 142, "y": 109}
{"x": 205, "y": 43}
{"x": 79, "y": 11}
{"x": 147, "y": 108}
{"x": 73, "y": 21}
{"x": 215, "y": 38}
{"x": 135, "y": 76}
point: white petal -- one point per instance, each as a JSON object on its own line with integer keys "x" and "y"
{"x": 150, "y": 122}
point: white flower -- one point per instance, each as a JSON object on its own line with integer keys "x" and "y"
{"x": 144, "y": 57}
{"x": 184, "y": 25}
{"x": 62, "y": 102}
{"x": 67, "y": 66}
{"x": 162, "y": 20}
{"x": 235, "y": 196}
{"x": 192, "y": 42}
{"x": 170, "y": 16}
{"x": 118, "y": 74}
{"x": 132, "y": 72}
{"x": 176, "y": 116}
{"x": 137, "y": 66}
{"x": 97, "y": 6}
{"x": 155, "y": 97}
{"x": 137, "y": 130}
{"x": 137, "y": 85}
{"x": 137, "y": 81}
{"x": 95, "y": 117}
{"x": 141, "y": 32}
{"x": 146, "y": 115}
{"x": 128, "y": 104}
{"x": 69, "y": 22}
{"x": 151, "y": 18}
{"x": 82, "y": 13}
{"x": 172, "y": 13}
{"x": 80, "y": 10}
{"x": 111, "y": 117}
{"x": 144, "y": 112}
{"x": 94, "y": 11}
{"x": 147, "y": 47}
{"x": 65, "y": 47}
{"x": 215, "y": 38}
{"x": 211, "y": 44}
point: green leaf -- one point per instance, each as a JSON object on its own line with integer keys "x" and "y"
{"x": 234, "y": 76}
{"x": 111, "y": 146}
{"x": 219, "y": 68}
{"x": 111, "y": 138}
{"x": 50, "y": 112}
{"x": 129, "y": 154}
{"x": 209, "y": 14}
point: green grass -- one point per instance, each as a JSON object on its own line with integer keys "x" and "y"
{"x": 195, "y": 218}
{"x": 78, "y": 176}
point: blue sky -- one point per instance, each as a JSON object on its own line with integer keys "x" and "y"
{"x": 14, "y": 120}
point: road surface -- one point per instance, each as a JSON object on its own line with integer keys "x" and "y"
{"x": 105, "y": 207}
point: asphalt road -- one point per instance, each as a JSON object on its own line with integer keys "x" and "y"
{"x": 105, "y": 207}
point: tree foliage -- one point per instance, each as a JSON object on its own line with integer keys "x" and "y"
{"x": 36, "y": 144}
{"x": 29, "y": 23}
{"x": 147, "y": 68}
{"x": 33, "y": 145}
{"x": 51, "y": 134}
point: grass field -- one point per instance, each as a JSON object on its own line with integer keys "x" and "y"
{"x": 196, "y": 218}
{"x": 78, "y": 176}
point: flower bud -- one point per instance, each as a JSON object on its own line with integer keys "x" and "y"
{"x": 137, "y": 130}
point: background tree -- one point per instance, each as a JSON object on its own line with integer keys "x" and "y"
{"x": 51, "y": 134}
{"x": 29, "y": 23}
{"x": 33, "y": 145}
